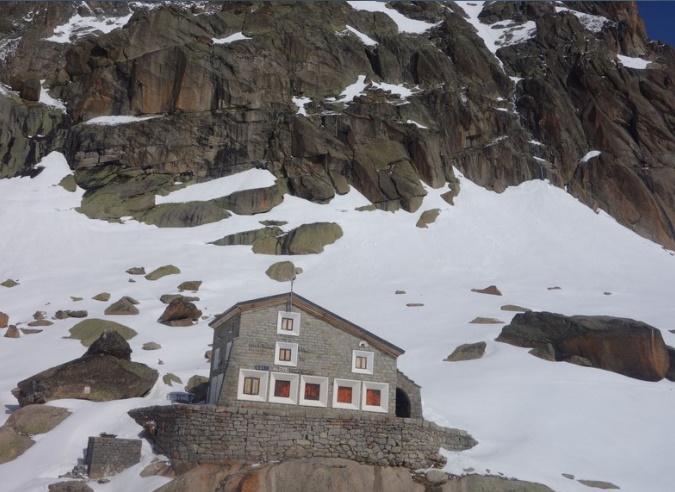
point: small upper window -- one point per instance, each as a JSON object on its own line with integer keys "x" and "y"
{"x": 288, "y": 323}
{"x": 286, "y": 354}
{"x": 362, "y": 362}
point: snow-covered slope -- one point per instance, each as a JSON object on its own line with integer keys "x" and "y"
{"x": 533, "y": 419}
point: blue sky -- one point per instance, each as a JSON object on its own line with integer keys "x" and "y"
{"x": 659, "y": 17}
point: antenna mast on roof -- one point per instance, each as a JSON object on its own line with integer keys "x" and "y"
{"x": 289, "y": 308}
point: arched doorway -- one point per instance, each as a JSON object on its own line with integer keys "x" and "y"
{"x": 402, "y": 404}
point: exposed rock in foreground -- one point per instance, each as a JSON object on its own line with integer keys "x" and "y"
{"x": 621, "y": 345}
{"x": 332, "y": 475}
{"x": 25, "y": 422}
{"x": 96, "y": 376}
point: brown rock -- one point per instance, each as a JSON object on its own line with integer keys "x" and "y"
{"x": 136, "y": 271}
{"x": 70, "y": 486}
{"x": 621, "y": 345}
{"x": 40, "y": 322}
{"x": 467, "y": 351}
{"x": 180, "y": 313}
{"x": 192, "y": 285}
{"x": 36, "y": 419}
{"x": 125, "y": 306}
{"x": 158, "y": 468}
{"x": 167, "y": 298}
{"x": 428, "y": 217}
{"x": 485, "y": 321}
{"x": 103, "y": 296}
{"x": 492, "y": 290}
{"x": 513, "y": 307}
{"x": 4, "y": 320}
{"x": 12, "y": 332}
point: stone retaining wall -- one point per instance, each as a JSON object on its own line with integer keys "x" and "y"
{"x": 107, "y": 456}
{"x": 191, "y": 435}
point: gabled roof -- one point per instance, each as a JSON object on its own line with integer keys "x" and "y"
{"x": 313, "y": 309}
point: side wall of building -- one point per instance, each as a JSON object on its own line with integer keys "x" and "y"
{"x": 323, "y": 351}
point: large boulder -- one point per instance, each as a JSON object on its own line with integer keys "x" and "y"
{"x": 190, "y": 214}
{"x": 303, "y": 240}
{"x": 180, "y": 312}
{"x": 110, "y": 343}
{"x": 621, "y": 345}
{"x": 25, "y": 422}
{"x": 95, "y": 376}
{"x": 333, "y": 475}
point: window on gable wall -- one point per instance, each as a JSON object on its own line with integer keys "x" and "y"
{"x": 363, "y": 362}
{"x": 286, "y": 354}
{"x": 288, "y": 323}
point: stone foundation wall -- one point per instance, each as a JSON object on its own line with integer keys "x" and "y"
{"x": 107, "y": 456}
{"x": 191, "y": 435}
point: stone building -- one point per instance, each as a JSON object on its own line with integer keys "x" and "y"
{"x": 286, "y": 352}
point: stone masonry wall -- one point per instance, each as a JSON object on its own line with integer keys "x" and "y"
{"x": 192, "y": 435}
{"x": 108, "y": 456}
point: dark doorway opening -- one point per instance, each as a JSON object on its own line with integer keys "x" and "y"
{"x": 402, "y": 404}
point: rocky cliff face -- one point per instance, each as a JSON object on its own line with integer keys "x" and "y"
{"x": 559, "y": 82}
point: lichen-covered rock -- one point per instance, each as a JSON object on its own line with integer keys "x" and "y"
{"x": 12, "y": 444}
{"x": 191, "y": 285}
{"x": 428, "y": 217}
{"x": 98, "y": 377}
{"x": 103, "y": 297}
{"x": 36, "y": 419}
{"x": 190, "y": 214}
{"x": 12, "y": 332}
{"x": 151, "y": 346}
{"x": 136, "y": 271}
{"x": 89, "y": 330}
{"x": 9, "y": 283}
{"x": 282, "y": 271}
{"x": 69, "y": 486}
{"x": 248, "y": 237}
{"x": 311, "y": 238}
{"x": 621, "y": 345}
{"x": 253, "y": 201}
{"x": 123, "y": 307}
{"x": 467, "y": 351}
{"x": 162, "y": 271}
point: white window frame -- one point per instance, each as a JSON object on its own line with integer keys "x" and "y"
{"x": 293, "y": 347}
{"x": 370, "y": 364}
{"x": 296, "y": 323}
{"x": 356, "y": 393}
{"x": 383, "y": 407}
{"x": 323, "y": 395}
{"x": 262, "y": 389}
{"x": 281, "y": 376}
